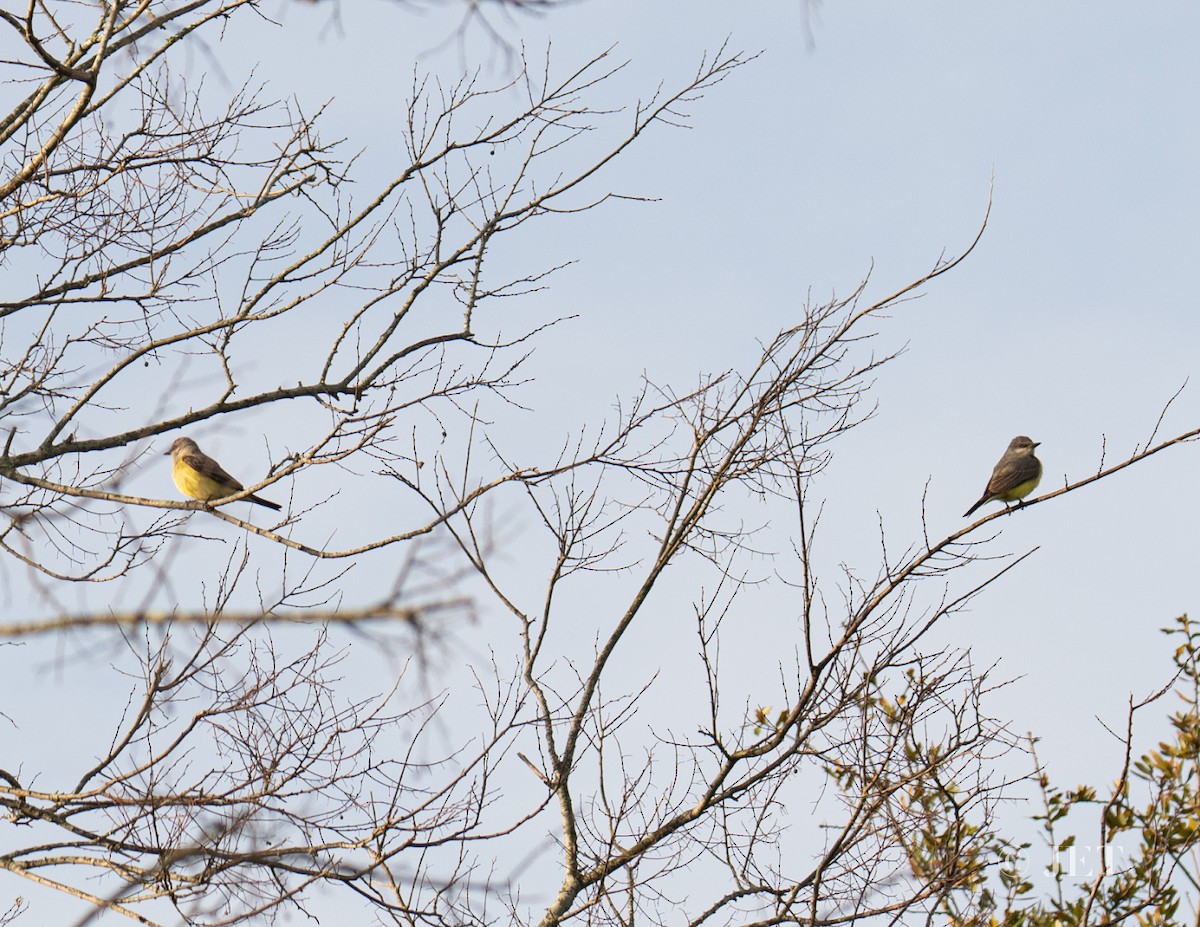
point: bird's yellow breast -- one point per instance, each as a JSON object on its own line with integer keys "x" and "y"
{"x": 1021, "y": 490}
{"x": 196, "y": 485}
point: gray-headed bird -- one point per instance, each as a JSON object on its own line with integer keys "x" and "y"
{"x": 200, "y": 477}
{"x": 1015, "y": 476}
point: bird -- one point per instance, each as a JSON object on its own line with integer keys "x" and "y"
{"x": 1015, "y": 476}
{"x": 198, "y": 476}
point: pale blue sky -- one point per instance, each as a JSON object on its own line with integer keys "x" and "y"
{"x": 876, "y": 143}
{"x": 1074, "y": 319}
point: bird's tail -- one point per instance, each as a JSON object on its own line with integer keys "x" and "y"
{"x": 968, "y": 512}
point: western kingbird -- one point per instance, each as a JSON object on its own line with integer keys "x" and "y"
{"x": 198, "y": 476}
{"x": 1016, "y": 475}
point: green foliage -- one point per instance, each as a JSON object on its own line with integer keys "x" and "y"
{"x": 1129, "y": 857}
{"x": 1141, "y": 869}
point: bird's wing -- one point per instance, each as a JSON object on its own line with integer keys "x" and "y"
{"x": 206, "y": 466}
{"x": 1012, "y": 473}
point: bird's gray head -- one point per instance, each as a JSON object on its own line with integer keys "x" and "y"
{"x": 186, "y": 445}
{"x": 1023, "y": 444}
